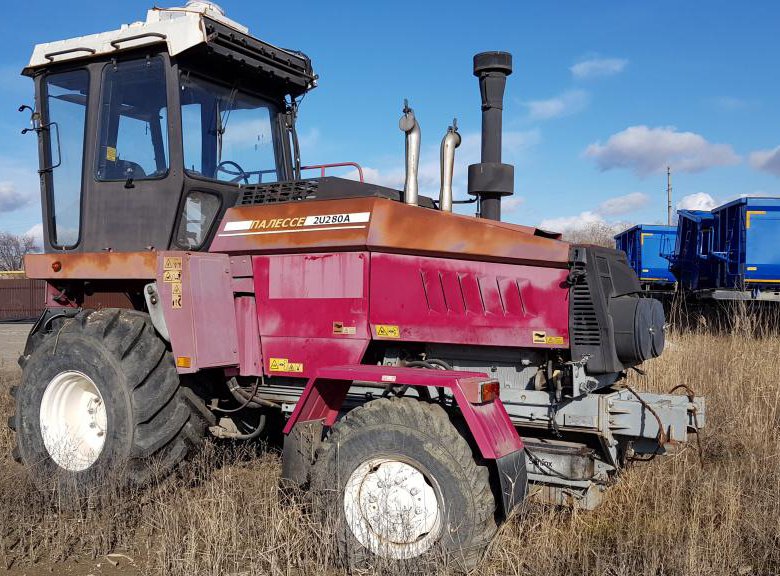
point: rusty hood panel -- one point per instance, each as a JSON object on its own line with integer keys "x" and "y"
{"x": 91, "y": 265}
{"x": 379, "y": 224}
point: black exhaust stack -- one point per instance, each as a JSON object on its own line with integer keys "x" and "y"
{"x": 490, "y": 179}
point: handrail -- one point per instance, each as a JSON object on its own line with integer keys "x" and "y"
{"x": 50, "y": 56}
{"x": 322, "y": 167}
{"x": 115, "y": 43}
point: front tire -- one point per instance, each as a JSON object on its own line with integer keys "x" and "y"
{"x": 100, "y": 399}
{"x": 402, "y": 484}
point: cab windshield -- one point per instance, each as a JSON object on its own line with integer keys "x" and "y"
{"x": 228, "y": 135}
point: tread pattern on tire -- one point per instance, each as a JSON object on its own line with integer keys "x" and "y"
{"x": 168, "y": 424}
{"x": 432, "y": 420}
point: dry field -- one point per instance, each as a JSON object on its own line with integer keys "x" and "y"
{"x": 225, "y": 515}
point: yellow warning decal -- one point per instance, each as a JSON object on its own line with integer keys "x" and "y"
{"x": 172, "y": 276}
{"x": 752, "y": 268}
{"x": 644, "y": 235}
{"x": 541, "y": 337}
{"x": 339, "y": 328}
{"x": 172, "y": 263}
{"x": 387, "y": 331}
{"x": 111, "y": 154}
{"x": 176, "y": 294}
{"x": 284, "y": 365}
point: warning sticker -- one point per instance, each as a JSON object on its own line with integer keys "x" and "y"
{"x": 284, "y": 365}
{"x": 176, "y": 295}
{"x": 540, "y": 337}
{"x": 339, "y": 328}
{"x": 172, "y": 263}
{"x": 111, "y": 154}
{"x": 172, "y": 276}
{"x": 387, "y": 331}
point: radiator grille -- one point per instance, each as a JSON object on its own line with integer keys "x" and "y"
{"x": 279, "y": 192}
{"x": 584, "y": 320}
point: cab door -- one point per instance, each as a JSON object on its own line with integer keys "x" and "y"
{"x": 133, "y": 185}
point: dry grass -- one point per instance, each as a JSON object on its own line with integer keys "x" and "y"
{"x": 225, "y": 514}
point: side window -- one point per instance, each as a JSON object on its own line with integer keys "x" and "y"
{"x": 200, "y": 209}
{"x": 66, "y": 111}
{"x": 133, "y": 140}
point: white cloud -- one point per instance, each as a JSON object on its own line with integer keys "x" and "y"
{"x": 697, "y": 201}
{"x": 766, "y": 160}
{"x": 623, "y": 204}
{"x": 11, "y": 198}
{"x": 598, "y": 218}
{"x": 647, "y": 150}
{"x": 568, "y": 223}
{"x": 565, "y": 104}
{"x": 512, "y": 203}
{"x": 37, "y": 233}
{"x": 594, "y": 67}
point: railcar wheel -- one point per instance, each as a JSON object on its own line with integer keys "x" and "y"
{"x": 402, "y": 484}
{"x": 100, "y": 399}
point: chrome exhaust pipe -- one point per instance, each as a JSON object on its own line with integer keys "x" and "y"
{"x": 409, "y": 125}
{"x": 450, "y": 141}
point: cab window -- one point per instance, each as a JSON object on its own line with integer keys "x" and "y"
{"x": 133, "y": 137}
{"x": 66, "y": 111}
{"x": 228, "y": 134}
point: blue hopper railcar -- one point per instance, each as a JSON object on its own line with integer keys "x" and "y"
{"x": 745, "y": 247}
{"x": 645, "y": 246}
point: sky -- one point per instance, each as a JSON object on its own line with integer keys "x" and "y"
{"x": 604, "y": 95}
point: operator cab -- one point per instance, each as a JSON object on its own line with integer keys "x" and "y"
{"x": 147, "y": 134}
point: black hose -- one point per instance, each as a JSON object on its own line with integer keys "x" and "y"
{"x": 252, "y": 435}
{"x": 244, "y": 405}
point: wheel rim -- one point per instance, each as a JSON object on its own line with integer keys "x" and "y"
{"x": 392, "y": 509}
{"x": 73, "y": 421}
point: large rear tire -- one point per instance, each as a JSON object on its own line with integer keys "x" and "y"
{"x": 100, "y": 400}
{"x": 401, "y": 483}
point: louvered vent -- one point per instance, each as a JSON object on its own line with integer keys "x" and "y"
{"x": 279, "y": 192}
{"x": 584, "y": 321}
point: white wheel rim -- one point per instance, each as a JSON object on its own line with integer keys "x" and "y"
{"x": 392, "y": 509}
{"x": 73, "y": 421}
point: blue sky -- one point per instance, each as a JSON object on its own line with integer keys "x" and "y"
{"x": 603, "y": 96}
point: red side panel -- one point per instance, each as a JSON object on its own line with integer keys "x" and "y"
{"x": 467, "y": 302}
{"x": 312, "y": 310}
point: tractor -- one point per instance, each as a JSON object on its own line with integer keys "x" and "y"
{"x": 428, "y": 371}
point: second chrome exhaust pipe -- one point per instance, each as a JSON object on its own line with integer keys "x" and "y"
{"x": 450, "y": 141}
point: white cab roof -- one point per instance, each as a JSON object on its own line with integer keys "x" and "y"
{"x": 179, "y": 28}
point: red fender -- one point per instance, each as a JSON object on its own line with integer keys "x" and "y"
{"x": 488, "y": 422}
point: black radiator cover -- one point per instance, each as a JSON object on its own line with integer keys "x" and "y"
{"x": 609, "y": 321}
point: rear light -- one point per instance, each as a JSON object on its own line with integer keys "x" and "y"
{"x": 488, "y": 391}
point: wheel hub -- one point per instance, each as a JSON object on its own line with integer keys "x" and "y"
{"x": 73, "y": 420}
{"x": 392, "y": 508}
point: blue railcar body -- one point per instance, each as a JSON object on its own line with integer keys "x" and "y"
{"x": 745, "y": 245}
{"x": 645, "y": 246}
